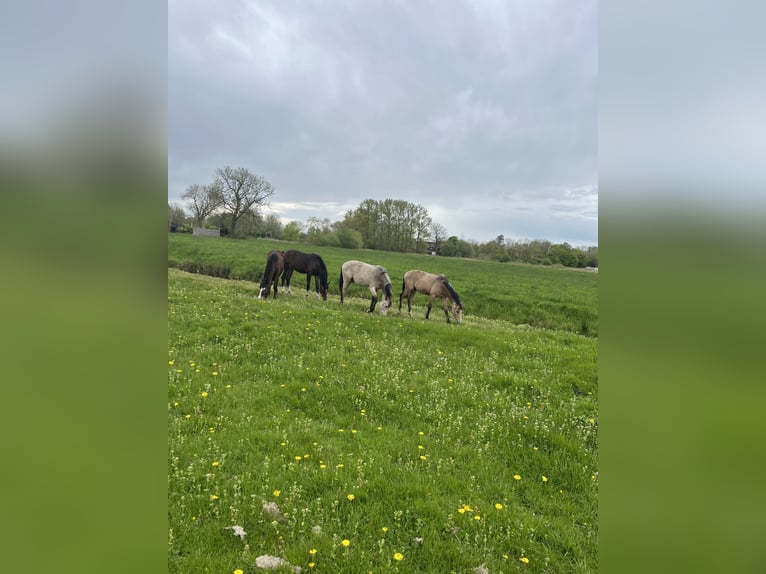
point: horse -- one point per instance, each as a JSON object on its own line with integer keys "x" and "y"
{"x": 417, "y": 281}
{"x": 275, "y": 263}
{"x": 309, "y": 263}
{"x": 373, "y": 276}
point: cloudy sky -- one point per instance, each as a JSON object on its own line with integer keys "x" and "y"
{"x": 483, "y": 111}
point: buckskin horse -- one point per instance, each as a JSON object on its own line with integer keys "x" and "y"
{"x": 417, "y": 281}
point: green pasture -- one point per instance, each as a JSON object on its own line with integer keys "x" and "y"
{"x": 426, "y": 447}
{"x": 555, "y": 298}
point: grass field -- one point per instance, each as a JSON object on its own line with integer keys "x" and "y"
{"x": 548, "y": 297}
{"x": 341, "y": 441}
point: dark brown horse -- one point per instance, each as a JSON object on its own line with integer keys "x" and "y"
{"x": 417, "y": 281}
{"x": 309, "y": 263}
{"x": 275, "y": 263}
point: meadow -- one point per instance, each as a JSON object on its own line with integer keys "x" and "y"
{"x": 549, "y": 297}
{"x": 341, "y": 441}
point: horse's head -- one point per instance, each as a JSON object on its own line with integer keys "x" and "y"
{"x": 457, "y": 312}
{"x": 323, "y": 292}
{"x": 387, "y": 299}
{"x": 263, "y": 293}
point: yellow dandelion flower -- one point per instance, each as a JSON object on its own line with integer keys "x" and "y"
{"x": 187, "y": 416}
{"x": 298, "y": 457}
{"x": 467, "y": 508}
{"x": 421, "y": 433}
{"x": 216, "y": 463}
{"x": 203, "y": 394}
{"x": 477, "y": 517}
{"x": 544, "y": 478}
{"x": 505, "y": 557}
{"x": 171, "y": 362}
{"x": 461, "y": 510}
{"x": 351, "y": 497}
{"x": 345, "y": 542}
{"x": 422, "y": 457}
{"x": 524, "y": 559}
{"x": 499, "y": 506}
{"x": 517, "y": 477}
{"x": 239, "y": 571}
{"x": 322, "y": 466}
{"x": 340, "y": 465}
{"x": 215, "y": 373}
{"x": 313, "y": 551}
{"x": 277, "y": 492}
{"x": 398, "y": 556}
{"x": 213, "y": 497}
{"x": 175, "y": 404}
{"x": 311, "y": 564}
{"x": 421, "y": 447}
{"x": 385, "y": 529}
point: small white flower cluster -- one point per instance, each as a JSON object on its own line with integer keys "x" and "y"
{"x": 238, "y": 531}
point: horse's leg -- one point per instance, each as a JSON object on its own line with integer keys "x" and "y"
{"x": 410, "y": 297}
{"x": 374, "y": 299}
{"x": 446, "y": 308}
{"x": 308, "y": 282}
{"x": 430, "y": 304}
{"x": 404, "y": 287}
{"x": 286, "y": 277}
{"x": 341, "y": 286}
{"x": 275, "y": 282}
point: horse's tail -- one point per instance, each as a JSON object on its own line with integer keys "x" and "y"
{"x": 453, "y": 293}
{"x": 340, "y": 283}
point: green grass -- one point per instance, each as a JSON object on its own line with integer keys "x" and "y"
{"x": 549, "y": 297}
{"x": 318, "y": 401}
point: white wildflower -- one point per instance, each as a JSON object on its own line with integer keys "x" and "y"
{"x": 238, "y": 531}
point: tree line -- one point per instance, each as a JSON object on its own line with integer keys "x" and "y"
{"x": 233, "y": 201}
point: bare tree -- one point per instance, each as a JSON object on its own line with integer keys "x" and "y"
{"x": 204, "y": 199}
{"x": 241, "y": 191}
{"x": 438, "y": 233}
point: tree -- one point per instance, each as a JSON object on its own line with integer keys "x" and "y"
{"x": 272, "y": 226}
{"x": 176, "y": 216}
{"x": 292, "y": 231}
{"x": 204, "y": 201}
{"x": 241, "y": 192}
{"x": 438, "y": 234}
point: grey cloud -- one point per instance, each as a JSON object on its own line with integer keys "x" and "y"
{"x": 421, "y": 101}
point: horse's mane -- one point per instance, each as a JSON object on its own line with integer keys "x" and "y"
{"x": 271, "y": 262}
{"x": 452, "y": 292}
{"x": 323, "y": 274}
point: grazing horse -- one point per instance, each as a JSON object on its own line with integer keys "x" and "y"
{"x": 275, "y": 262}
{"x": 417, "y": 281}
{"x": 310, "y": 264}
{"x": 373, "y": 276}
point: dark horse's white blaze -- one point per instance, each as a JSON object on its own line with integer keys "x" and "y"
{"x": 372, "y": 276}
{"x": 417, "y": 281}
